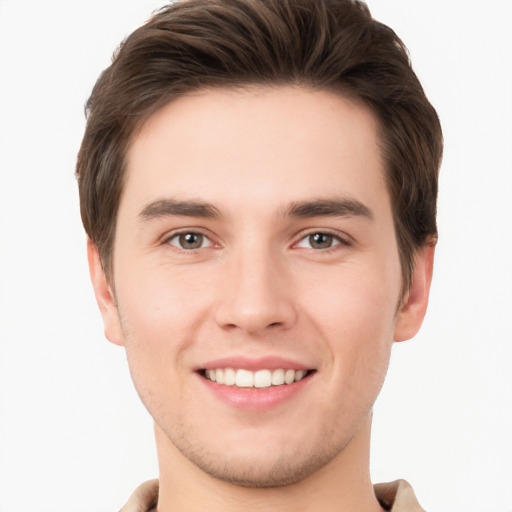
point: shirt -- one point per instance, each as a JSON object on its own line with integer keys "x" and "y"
{"x": 397, "y": 496}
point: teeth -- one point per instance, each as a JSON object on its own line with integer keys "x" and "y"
{"x": 259, "y": 379}
{"x": 229, "y": 377}
{"x": 263, "y": 379}
{"x": 278, "y": 377}
{"x": 289, "y": 376}
{"x": 244, "y": 379}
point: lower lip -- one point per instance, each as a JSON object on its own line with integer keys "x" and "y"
{"x": 256, "y": 399}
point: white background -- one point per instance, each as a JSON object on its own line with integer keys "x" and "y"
{"x": 73, "y": 435}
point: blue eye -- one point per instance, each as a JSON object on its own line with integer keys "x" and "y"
{"x": 319, "y": 241}
{"x": 189, "y": 241}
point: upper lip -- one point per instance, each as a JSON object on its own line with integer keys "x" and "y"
{"x": 254, "y": 364}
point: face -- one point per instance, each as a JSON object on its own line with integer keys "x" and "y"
{"x": 257, "y": 279}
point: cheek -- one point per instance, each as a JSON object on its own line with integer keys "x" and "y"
{"x": 160, "y": 317}
{"x": 159, "y": 324}
{"x": 161, "y": 300}
{"x": 356, "y": 315}
{"x": 353, "y": 305}
{"x": 360, "y": 333}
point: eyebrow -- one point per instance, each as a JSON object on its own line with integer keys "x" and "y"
{"x": 168, "y": 207}
{"x": 344, "y": 207}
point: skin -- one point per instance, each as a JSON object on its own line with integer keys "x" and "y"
{"x": 258, "y": 287}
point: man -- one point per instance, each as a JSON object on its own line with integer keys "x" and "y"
{"x": 258, "y": 182}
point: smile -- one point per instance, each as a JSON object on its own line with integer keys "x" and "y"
{"x": 259, "y": 379}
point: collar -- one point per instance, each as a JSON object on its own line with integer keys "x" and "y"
{"x": 397, "y": 496}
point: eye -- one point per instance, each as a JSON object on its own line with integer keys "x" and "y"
{"x": 189, "y": 241}
{"x": 319, "y": 241}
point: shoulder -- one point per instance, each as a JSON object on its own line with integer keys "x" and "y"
{"x": 144, "y": 498}
{"x": 397, "y": 496}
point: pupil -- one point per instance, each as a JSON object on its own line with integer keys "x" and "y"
{"x": 191, "y": 240}
{"x": 320, "y": 241}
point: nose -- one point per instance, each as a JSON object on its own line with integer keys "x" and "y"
{"x": 256, "y": 294}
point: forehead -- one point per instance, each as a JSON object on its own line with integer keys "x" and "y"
{"x": 258, "y": 144}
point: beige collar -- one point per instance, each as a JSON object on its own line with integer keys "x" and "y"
{"x": 397, "y": 496}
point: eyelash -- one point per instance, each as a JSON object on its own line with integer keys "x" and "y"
{"x": 336, "y": 239}
{"x": 178, "y": 235}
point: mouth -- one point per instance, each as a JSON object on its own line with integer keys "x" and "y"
{"x": 260, "y": 379}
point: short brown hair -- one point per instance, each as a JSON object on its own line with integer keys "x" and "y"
{"x": 323, "y": 44}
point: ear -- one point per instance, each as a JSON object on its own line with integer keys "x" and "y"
{"x": 104, "y": 296}
{"x": 414, "y": 306}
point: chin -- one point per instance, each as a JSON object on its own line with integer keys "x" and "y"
{"x": 259, "y": 467}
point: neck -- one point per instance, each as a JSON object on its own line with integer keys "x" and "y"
{"x": 341, "y": 485}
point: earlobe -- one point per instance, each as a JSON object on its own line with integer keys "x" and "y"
{"x": 412, "y": 310}
{"x": 104, "y": 296}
